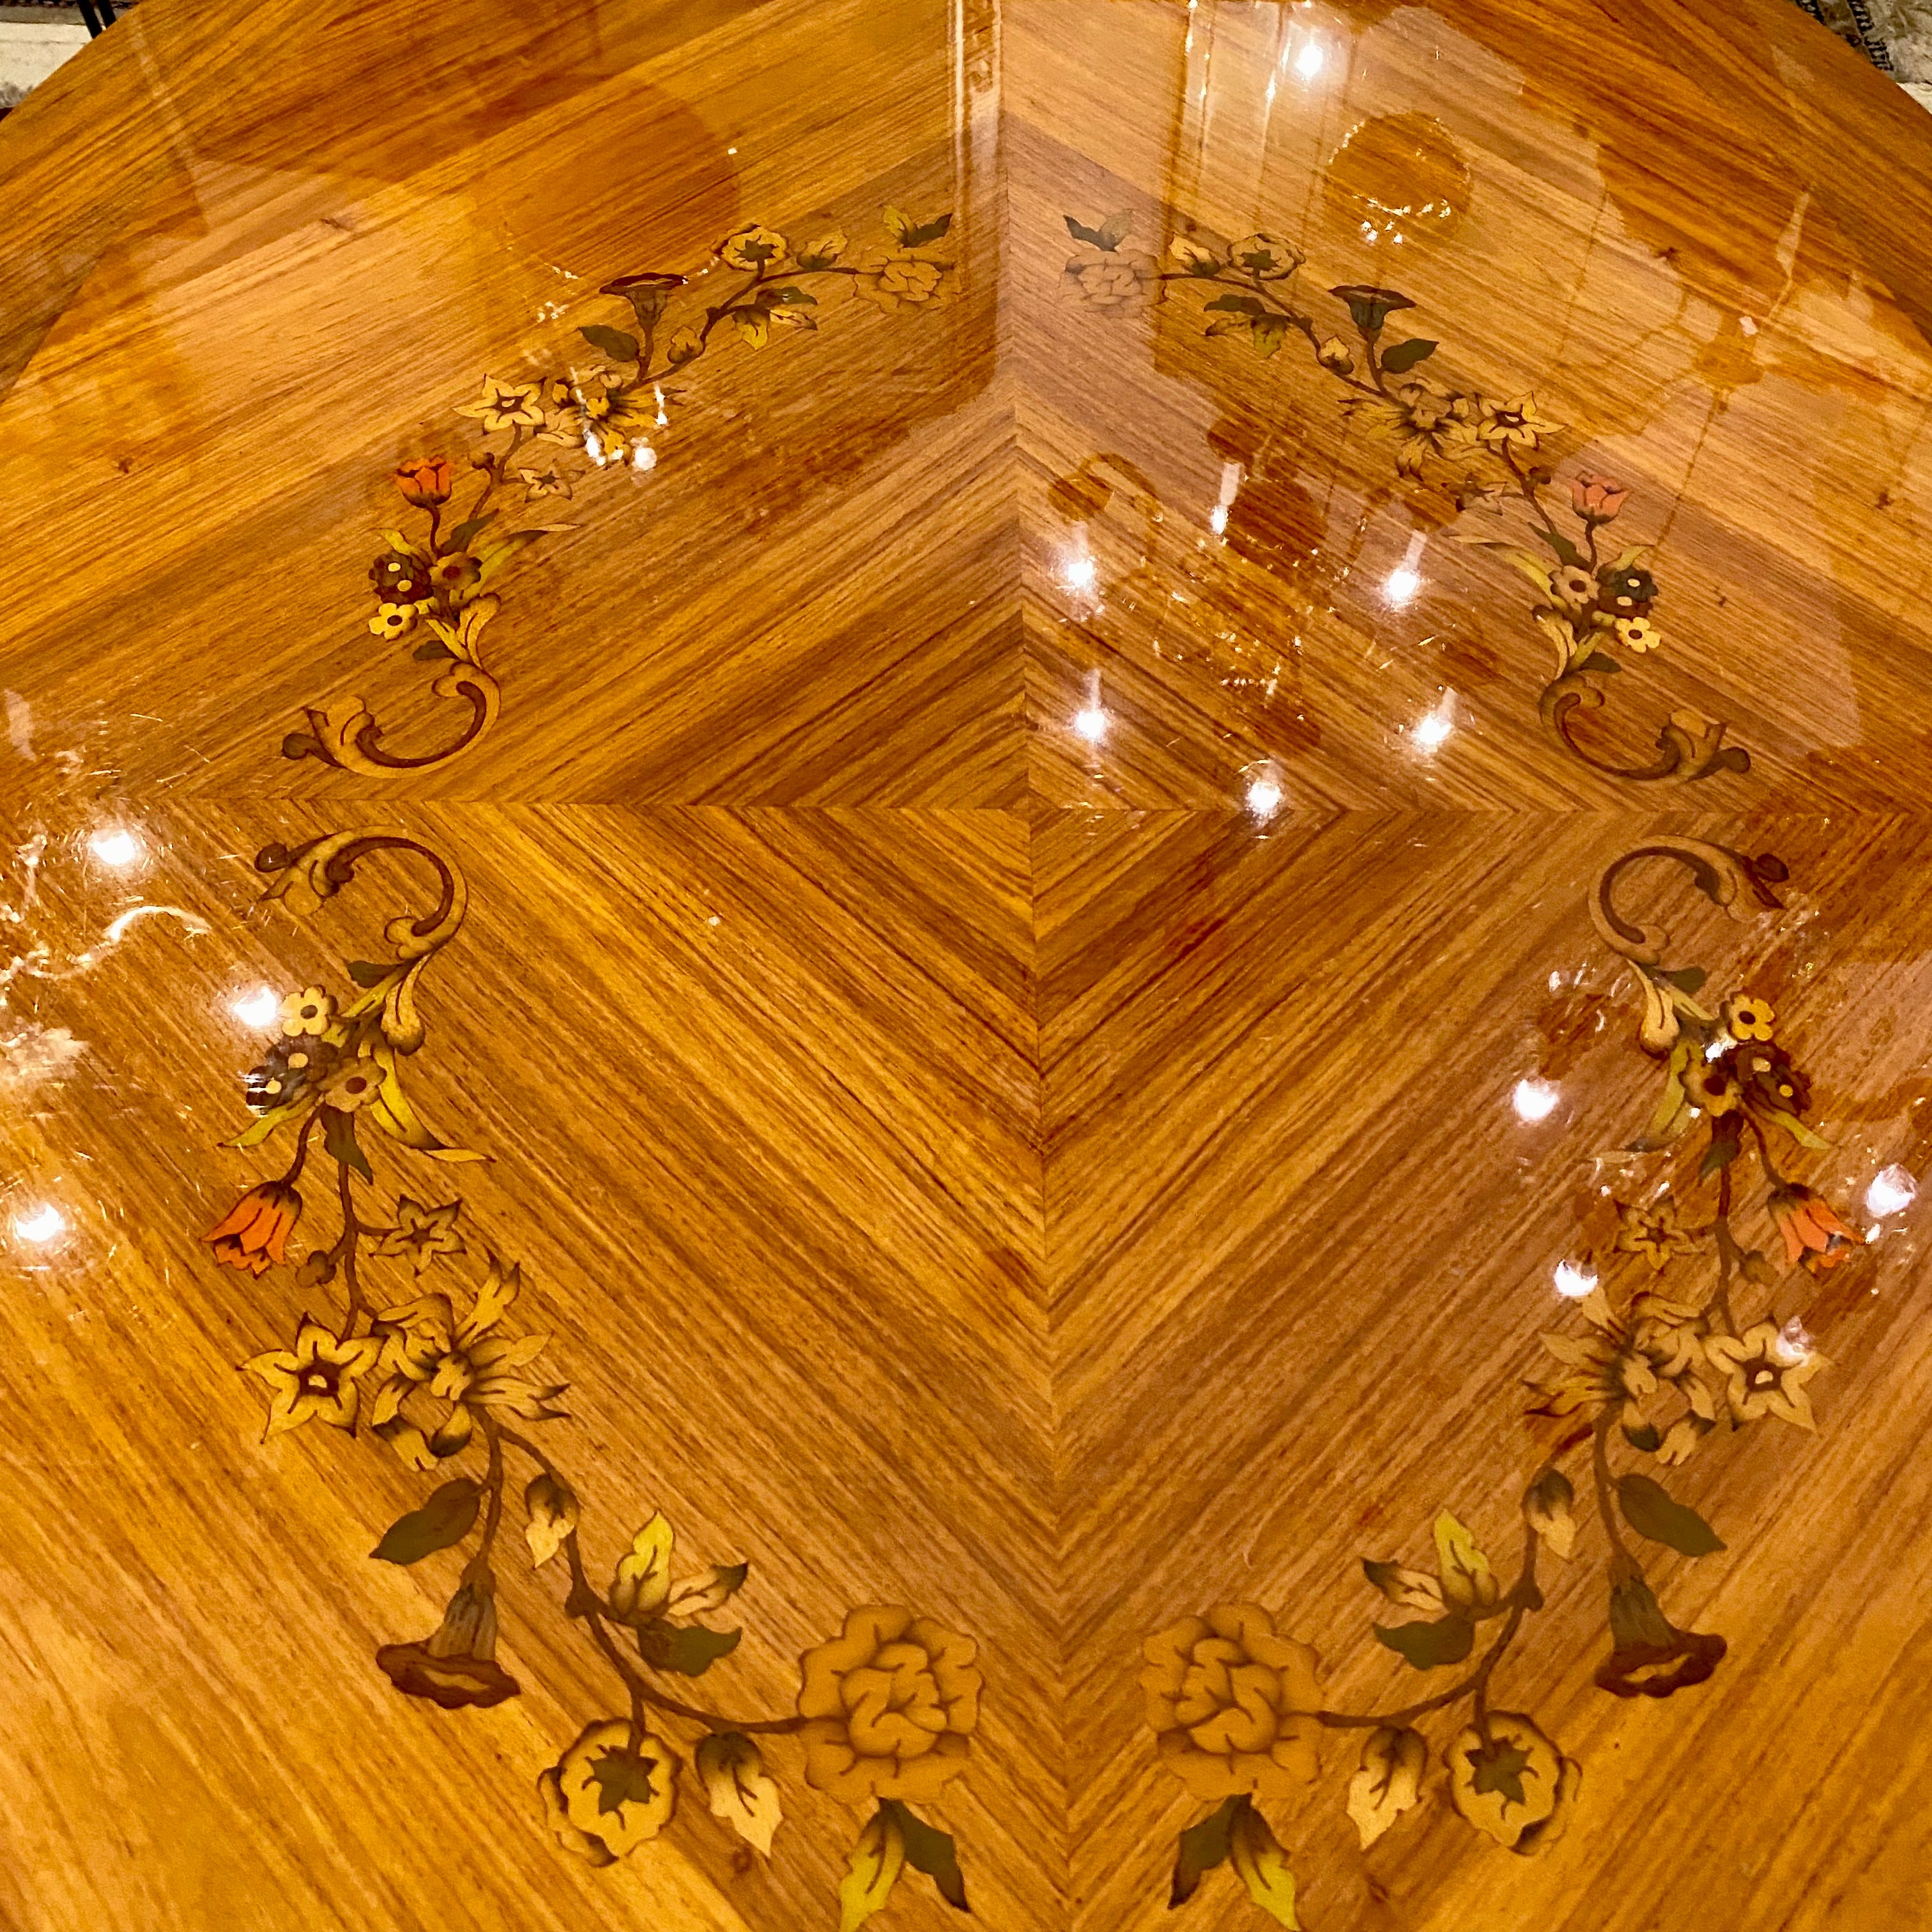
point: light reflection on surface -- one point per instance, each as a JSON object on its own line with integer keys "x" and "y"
{"x": 1432, "y": 729}
{"x": 42, "y": 1225}
{"x": 1535, "y": 1099}
{"x": 1090, "y": 723}
{"x": 1263, "y": 797}
{"x": 115, "y": 845}
{"x": 1892, "y": 1192}
{"x": 258, "y": 1009}
{"x": 1572, "y": 1282}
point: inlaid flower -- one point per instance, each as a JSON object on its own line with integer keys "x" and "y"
{"x": 1508, "y": 1780}
{"x": 1228, "y": 1701}
{"x": 1626, "y": 590}
{"x": 898, "y": 278}
{"x": 456, "y": 1667}
{"x": 1650, "y": 1657}
{"x": 1596, "y": 497}
{"x": 290, "y": 1067}
{"x": 1334, "y": 354}
{"x": 615, "y": 1789}
{"x": 890, "y": 1704}
{"x": 1766, "y": 1373}
{"x": 466, "y": 1365}
{"x": 1813, "y": 1232}
{"x": 1267, "y": 258}
{"x": 1423, "y": 422}
{"x": 1572, "y": 587}
{"x": 352, "y": 1085}
{"x": 254, "y": 1233}
{"x": 1748, "y": 1018}
{"x": 1193, "y": 256}
{"x": 393, "y": 620}
{"x": 505, "y": 405}
{"x": 1515, "y": 424}
{"x": 310, "y": 1011}
{"x": 1656, "y": 1233}
{"x": 456, "y": 576}
{"x": 1713, "y": 1084}
{"x": 421, "y": 1233}
{"x": 425, "y": 482}
{"x": 1638, "y": 633}
{"x": 400, "y": 578}
{"x": 547, "y": 482}
{"x": 1109, "y": 279}
{"x": 316, "y": 1380}
{"x": 754, "y": 249}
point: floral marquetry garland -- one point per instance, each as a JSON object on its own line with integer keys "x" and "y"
{"x": 1675, "y": 1344}
{"x": 887, "y": 1709}
{"x": 1593, "y": 601}
{"x": 543, "y": 435}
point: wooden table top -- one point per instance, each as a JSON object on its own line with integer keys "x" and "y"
{"x": 1100, "y": 822}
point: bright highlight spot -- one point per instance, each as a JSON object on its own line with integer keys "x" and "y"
{"x": 1308, "y": 62}
{"x": 1263, "y": 797}
{"x": 1572, "y": 1282}
{"x": 1401, "y": 584}
{"x": 644, "y": 457}
{"x": 1090, "y": 724}
{"x": 1535, "y": 1099}
{"x": 1080, "y": 573}
{"x": 1432, "y": 730}
{"x": 258, "y": 1009}
{"x": 115, "y": 847}
{"x": 43, "y": 1225}
{"x": 1217, "y": 520}
{"x": 1890, "y": 1193}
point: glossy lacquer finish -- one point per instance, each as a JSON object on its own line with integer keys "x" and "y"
{"x": 965, "y": 958}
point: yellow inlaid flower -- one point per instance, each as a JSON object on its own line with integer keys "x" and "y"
{"x": 505, "y": 405}
{"x": 1513, "y": 425}
{"x": 1766, "y": 1373}
{"x": 1109, "y": 279}
{"x": 1507, "y": 1779}
{"x": 352, "y": 1085}
{"x": 316, "y": 1380}
{"x": 1638, "y": 633}
{"x": 1333, "y": 354}
{"x": 890, "y": 1703}
{"x": 548, "y": 481}
{"x": 393, "y": 620}
{"x": 1228, "y": 1700}
{"x": 1266, "y": 257}
{"x": 754, "y": 248}
{"x": 1749, "y": 1018}
{"x": 310, "y": 1011}
{"x": 613, "y": 1790}
{"x": 422, "y": 1233}
{"x": 1574, "y": 587}
{"x": 1655, "y": 1233}
{"x": 898, "y": 278}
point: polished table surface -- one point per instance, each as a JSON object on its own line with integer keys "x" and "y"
{"x": 965, "y": 955}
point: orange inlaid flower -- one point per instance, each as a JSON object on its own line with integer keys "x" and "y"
{"x": 425, "y": 482}
{"x": 1596, "y": 497}
{"x": 254, "y": 1233}
{"x": 1813, "y": 1233}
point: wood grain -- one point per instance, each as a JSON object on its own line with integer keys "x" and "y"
{"x": 994, "y": 1017}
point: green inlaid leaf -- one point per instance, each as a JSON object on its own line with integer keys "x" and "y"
{"x": 1200, "y": 1849}
{"x": 876, "y": 1860}
{"x": 1405, "y": 356}
{"x": 447, "y": 1518}
{"x": 689, "y": 1648}
{"x": 1650, "y": 1510}
{"x": 1447, "y": 1640}
{"x": 338, "y": 1142}
{"x": 1600, "y": 661}
{"x": 611, "y": 342}
{"x": 930, "y": 1850}
{"x": 1500, "y": 1768}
